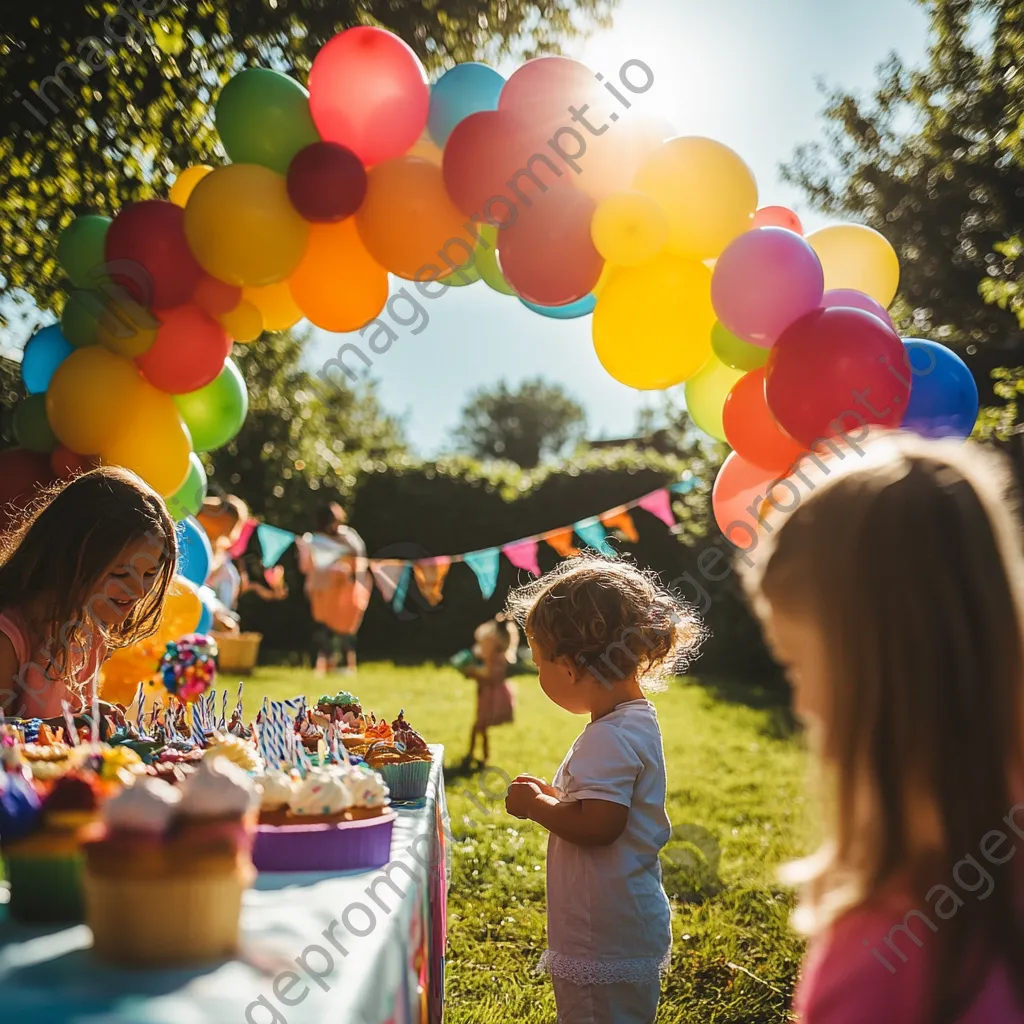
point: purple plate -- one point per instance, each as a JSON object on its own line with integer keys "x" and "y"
{"x": 346, "y": 846}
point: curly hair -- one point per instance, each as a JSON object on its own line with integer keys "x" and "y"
{"x": 608, "y": 616}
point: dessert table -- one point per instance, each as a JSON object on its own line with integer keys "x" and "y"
{"x": 353, "y": 948}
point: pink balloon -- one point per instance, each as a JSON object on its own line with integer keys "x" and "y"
{"x": 542, "y": 90}
{"x": 368, "y": 92}
{"x": 738, "y": 498}
{"x": 778, "y": 217}
{"x": 764, "y": 281}
{"x": 849, "y": 299}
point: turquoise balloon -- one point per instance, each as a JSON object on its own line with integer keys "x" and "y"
{"x": 80, "y": 249}
{"x": 215, "y": 414}
{"x": 463, "y": 90}
{"x": 189, "y": 497}
{"x": 263, "y": 118}
{"x": 735, "y": 352}
{"x": 581, "y": 307}
{"x": 44, "y": 352}
{"x": 31, "y": 427}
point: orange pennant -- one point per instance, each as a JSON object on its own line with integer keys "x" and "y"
{"x": 430, "y": 576}
{"x": 561, "y": 541}
{"x": 621, "y": 520}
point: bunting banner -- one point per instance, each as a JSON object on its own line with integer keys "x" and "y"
{"x": 394, "y": 576}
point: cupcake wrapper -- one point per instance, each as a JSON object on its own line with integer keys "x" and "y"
{"x": 45, "y": 889}
{"x": 347, "y": 846}
{"x": 407, "y": 780}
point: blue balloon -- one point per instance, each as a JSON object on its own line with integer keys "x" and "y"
{"x": 463, "y": 90}
{"x": 581, "y": 307}
{"x": 943, "y": 394}
{"x": 44, "y": 352}
{"x": 205, "y": 620}
{"x": 195, "y": 555}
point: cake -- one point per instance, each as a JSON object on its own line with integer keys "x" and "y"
{"x": 185, "y": 849}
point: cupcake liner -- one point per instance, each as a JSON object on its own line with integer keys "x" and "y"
{"x": 407, "y": 780}
{"x": 346, "y": 846}
{"x": 45, "y": 889}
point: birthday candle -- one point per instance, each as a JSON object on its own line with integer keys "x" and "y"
{"x": 95, "y": 715}
{"x": 238, "y": 703}
{"x": 140, "y": 710}
{"x": 70, "y": 723}
{"x": 224, "y": 708}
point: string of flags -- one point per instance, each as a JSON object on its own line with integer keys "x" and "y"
{"x": 393, "y": 577}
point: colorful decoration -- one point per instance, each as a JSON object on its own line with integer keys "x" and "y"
{"x": 189, "y": 667}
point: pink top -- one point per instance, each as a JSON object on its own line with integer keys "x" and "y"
{"x": 844, "y": 982}
{"x": 30, "y": 694}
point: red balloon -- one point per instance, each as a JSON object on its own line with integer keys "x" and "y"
{"x": 22, "y": 475}
{"x": 326, "y": 182}
{"x": 777, "y": 217}
{"x": 836, "y": 371}
{"x": 541, "y": 92}
{"x": 151, "y": 236}
{"x": 188, "y": 353}
{"x": 751, "y": 430}
{"x": 368, "y": 92}
{"x": 66, "y": 463}
{"x": 216, "y": 297}
{"x": 546, "y": 253}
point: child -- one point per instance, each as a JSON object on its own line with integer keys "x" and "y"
{"x": 83, "y": 574}
{"x": 597, "y": 629}
{"x": 496, "y": 645}
{"x": 893, "y": 595}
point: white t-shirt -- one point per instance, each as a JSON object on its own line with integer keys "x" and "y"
{"x": 609, "y": 919}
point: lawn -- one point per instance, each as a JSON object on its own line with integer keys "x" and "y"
{"x": 734, "y": 771}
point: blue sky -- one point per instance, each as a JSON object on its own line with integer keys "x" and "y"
{"x": 740, "y": 71}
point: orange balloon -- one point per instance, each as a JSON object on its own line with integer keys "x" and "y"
{"x": 408, "y": 219}
{"x": 751, "y": 429}
{"x": 275, "y": 303}
{"x": 338, "y": 285}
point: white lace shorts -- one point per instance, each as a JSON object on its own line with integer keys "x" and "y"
{"x": 617, "y": 1003}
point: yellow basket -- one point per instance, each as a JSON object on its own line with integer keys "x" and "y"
{"x": 238, "y": 651}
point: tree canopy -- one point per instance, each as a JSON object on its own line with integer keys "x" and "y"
{"x": 105, "y": 102}
{"x": 935, "y": 160}
{"x": 536, "y": 420}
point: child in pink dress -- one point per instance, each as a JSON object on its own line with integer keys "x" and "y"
{"x": 893, "y": 595}
{"x": 496, "y": 645}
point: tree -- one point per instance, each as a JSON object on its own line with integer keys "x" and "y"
{"x": 105, "y": 102}
{"x": 303, "y": 441}
{"x": 935, "y": 160}
{"x": 536, "y": 420}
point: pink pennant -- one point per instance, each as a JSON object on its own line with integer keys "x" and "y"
{"x": 523, "y": 555}
{"x": 386, "y": 574}
{"x": 659, "y": 504}
{"x": 238, "y": 548}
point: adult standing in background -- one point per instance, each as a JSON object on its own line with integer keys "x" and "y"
{"x": 338, "y": 585}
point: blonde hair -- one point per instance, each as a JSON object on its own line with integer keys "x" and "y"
{"x": 909, "y": 561}
{"x": 607, "y": 615}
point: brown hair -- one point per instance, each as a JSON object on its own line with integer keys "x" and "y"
{"x": 607, "y": 615}
{"x": 909, "y": 560}
{"x": 54, "y": 560}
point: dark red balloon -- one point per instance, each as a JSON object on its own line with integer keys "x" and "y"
{"x": 66, "y": 463}
{"x": 159, "y": 269}
{"x": 188, "y": 353}
{"x": 326, "y": 182}
{"x": 836, "y": 370}
{"x": 22, "y": 475}
{"x": 216, "y": 297}
{"x": 546, "y": 253}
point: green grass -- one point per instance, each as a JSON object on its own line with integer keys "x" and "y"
{"x": 733, "y": 769}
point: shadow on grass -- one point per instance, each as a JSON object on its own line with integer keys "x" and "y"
{"x": 770, "y": 695}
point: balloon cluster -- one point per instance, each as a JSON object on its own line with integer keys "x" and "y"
{"x": 188, "y": 666}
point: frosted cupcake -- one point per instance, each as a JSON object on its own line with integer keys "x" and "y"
{"x": 276, "y": 786}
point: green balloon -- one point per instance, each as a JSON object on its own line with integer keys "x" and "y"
{"x": 263, "y": 118}
{"x": 706, "y": 392}
{"x": 214, "y": 414}
{"x": 31, "y": 427}
{"x": 735, "y": 352}
{"x": 462, "y": 277}
{"x": 487, "y": 261}
{"x": 80, "y": 321}
{"x": 80, "y": 248}
{"x": 188, "y": 499}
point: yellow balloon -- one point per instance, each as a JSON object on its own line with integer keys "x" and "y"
{"x": 186, "y": 182}
{"x": 242, "y": 228}
{"x": 602, "y": 281}
{"x": 244, "y": 323}
{"x": 86, "y": 398}
{"x": 629, "y": 228}
{"x": 182, "y": 610}
{"x": 151, "y": 440}
{"x": 275, "y": 303}
{"x": 123, "y": 336}
{"x": 652, "y": 324}
{"x": 708, "y": 193}
{"x": 856, "y": 256}
{"x": 706, "y": 392}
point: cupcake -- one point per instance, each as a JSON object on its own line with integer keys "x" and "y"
{"x": 276, "y": 787}
{"x": 341, "y": 704}
{"x": 238, "y": 751}
{"x": 404, "y": 764}
{"x": 322, "y": 797}
{"x": 47, "y": 761}
{"x": 186, "y": 848}
{"x": 369, "y": 792}
{"x": 44, "y": 862}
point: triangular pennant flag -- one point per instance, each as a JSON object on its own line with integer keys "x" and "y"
{"x": 430, "y": 577}
{"x": 387, "y": 575}
{"x": 274, "y": 542}
{"x": 562, "y": 542}
{"x": 659, "y": 504}
{"x": 523, "y": 555}
{"x": 684, "y": 486}
{"x": 620, "y": 519}
{"x": 591, "y": 532}
{"x": 239, "y": 547}
{"x": 485, "y": 565}
{"x": 402, "y": 589}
